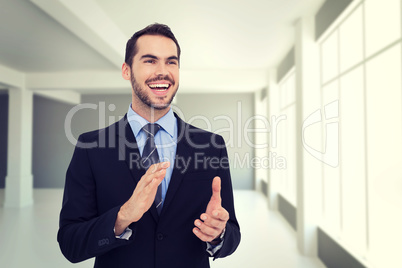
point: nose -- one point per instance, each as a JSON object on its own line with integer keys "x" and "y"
{"x": 161, "y": 70}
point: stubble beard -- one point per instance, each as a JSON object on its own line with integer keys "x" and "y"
{"x": 141, "y": 93}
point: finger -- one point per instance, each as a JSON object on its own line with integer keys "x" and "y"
{"x": 157, "y": 167}
{"x": 221, "y": 214}
{"x": 202, "y": 236}
{"x": 207, "y": 230}
{"x": 212, "y": 222}
{"x": 155, "y": 180}
{"x": 149, "y": 192}
{"x": 148, "y": 178}
{"x": 216, "y": 189}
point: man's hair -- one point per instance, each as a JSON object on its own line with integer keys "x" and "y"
{"x": 153, "y": 29}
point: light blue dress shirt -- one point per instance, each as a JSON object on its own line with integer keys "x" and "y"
{"x": 165, "y": 140}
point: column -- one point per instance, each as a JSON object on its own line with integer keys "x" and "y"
{"x": 308, "y": 105}
{"x": 261, "y": 131}
{"x": 19, "y": 180}
{"x": 273, "y": 114}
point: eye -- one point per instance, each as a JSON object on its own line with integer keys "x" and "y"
{"x": 172, "y": 62}
{"x": 149, "y": 61}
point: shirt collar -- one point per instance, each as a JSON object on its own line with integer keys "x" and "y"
{"x": 167, "y": 122}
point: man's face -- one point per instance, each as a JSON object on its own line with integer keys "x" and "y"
{"x": 155, "y": 71}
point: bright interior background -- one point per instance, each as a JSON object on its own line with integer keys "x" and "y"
{"x": 54, "y": 56}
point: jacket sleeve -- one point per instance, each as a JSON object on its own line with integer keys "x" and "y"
{"x": 83, "y": 233}
{"x": 232, "y": 233}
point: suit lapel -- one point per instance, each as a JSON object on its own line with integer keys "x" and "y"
{"x": 128, "y": 152}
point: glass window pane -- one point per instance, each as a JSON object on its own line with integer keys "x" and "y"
{"x": 283, "y": 94}
{"x": 351, "y": 40}
{"x": 353, "y": 153}
{"x": 382, "y": 24}
{"x": 291, "y": 88}
{"x": 288, "y": 140}
{"x": 384, "y": 151}
{"x": 331, "y": 184}
{"x": 329, "y": 60}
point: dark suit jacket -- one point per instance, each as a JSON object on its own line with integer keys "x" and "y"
{"x": 102, "y": 176}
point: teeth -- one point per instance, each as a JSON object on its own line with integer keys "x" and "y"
{"x": 159, "y": 86}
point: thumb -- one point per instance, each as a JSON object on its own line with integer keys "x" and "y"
{"x": 216, "y": 189}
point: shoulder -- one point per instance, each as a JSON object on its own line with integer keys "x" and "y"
{"x": 89, "y": 136}
{"x": 103, "y": 133}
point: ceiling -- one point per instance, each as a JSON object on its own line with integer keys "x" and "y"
{"x": 31, "y": 41}
{"x": 216, "y": 36}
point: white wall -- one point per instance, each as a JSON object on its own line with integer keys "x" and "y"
{"x": 227, "y": 115}
{"x": 54, "y": 140}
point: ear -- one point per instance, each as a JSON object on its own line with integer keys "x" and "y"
{"x": 126, "y": 71}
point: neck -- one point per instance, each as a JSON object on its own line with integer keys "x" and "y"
{"x": 148, "y": 113}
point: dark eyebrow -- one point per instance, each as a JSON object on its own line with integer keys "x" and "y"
{"x": 149, "y": 56}
{"x": 156, "y": 58}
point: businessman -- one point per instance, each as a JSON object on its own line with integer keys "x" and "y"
{"x": 150, "y": 190}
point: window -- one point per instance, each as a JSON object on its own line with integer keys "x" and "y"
{"x": 361, "y": 69}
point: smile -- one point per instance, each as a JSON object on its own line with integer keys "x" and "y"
{"x": 159, "y": 87}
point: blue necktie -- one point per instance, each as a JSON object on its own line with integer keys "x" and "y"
{"x": 150, "y": 156}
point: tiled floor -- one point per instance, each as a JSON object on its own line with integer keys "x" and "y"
{"x": 28, "y": 236}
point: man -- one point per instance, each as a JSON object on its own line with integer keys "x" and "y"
{"x": 149, "y": 190}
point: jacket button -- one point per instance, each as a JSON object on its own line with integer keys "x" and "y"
{"x": 159, "y": 236}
